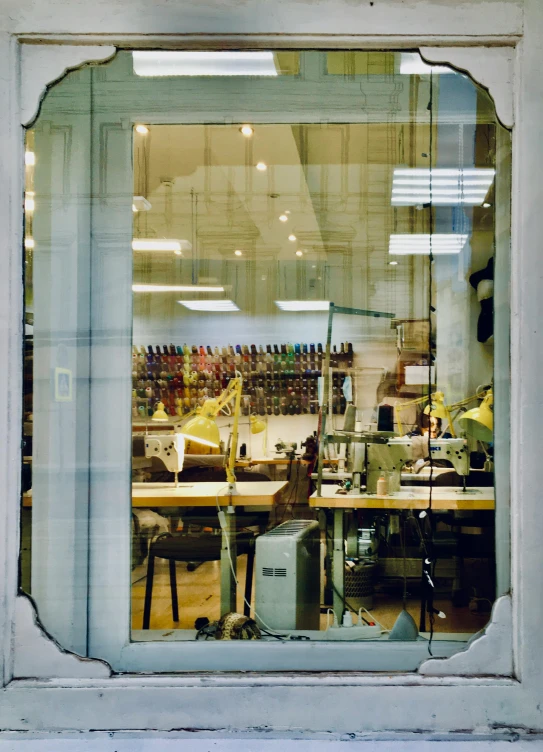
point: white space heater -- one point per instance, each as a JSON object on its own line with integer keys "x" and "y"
{"x": 288, "y": 576}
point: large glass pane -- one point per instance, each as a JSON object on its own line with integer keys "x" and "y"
{"x": 298, "y": 251}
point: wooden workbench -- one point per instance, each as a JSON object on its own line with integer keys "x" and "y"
{"x": 410, "y": 497}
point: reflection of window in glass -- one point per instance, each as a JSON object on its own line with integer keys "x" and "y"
{"x": 306, "y": 296}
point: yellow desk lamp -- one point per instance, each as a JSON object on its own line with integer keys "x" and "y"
{"x": 436, "y": 409}
{"x": 203, "y": 429}
{"x": 160, "y": 416}
{"x": 479, "y": 421}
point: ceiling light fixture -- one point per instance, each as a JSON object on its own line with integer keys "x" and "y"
{"x": 200, "y": 63}
{"x": 29, "y": 243}
{"x": 247, "y": 130}
{"x": 486, "y": 205}
{"x": 161, "y": 244}
{"x": 238, "y": 253}
{"x": 176, "y": 288}
{"x": 299, "y": 253}
{"x": 30, "y": 158}
{"x": 140, "y": 203}
{"x": 283, "y": 218}
{"x": 30, "y": 204}
{"x": 303, "y": 305}
{"x": 261, "y": 166}
{"x": 393, "y": 263}
{"x": 442, "y": 244}
{"x": 143, "y": 129}
{"x": 221, "y": 306}
{"x": 292, "y": 238}
{"x": 446, "y": 186}
{"x": 412, "y": 63}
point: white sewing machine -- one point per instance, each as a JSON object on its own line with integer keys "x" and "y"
{"x": 390, "y": 457}
{"x": 170, "y": 448}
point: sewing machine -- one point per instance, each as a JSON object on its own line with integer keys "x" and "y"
{"x": 389, "y": 458}
{"x": 169, "y": 448}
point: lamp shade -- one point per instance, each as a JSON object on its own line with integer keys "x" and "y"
{"x": 257, "y": 425}
{"x": 479, "y": 422}
{"x": 202, "y": 430}
{"x": 159, "y": 416}
{"x": 437, "y": 407}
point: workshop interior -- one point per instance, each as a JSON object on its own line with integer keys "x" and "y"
{"x": 280, "y": 326}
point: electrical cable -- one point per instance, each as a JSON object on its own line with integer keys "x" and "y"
{"x": 222, "y": 522}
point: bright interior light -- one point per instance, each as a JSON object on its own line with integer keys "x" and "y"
{"x": 247, "y": 130}
{"x": 209, "y": 305}
{"x": 143, "y": 129}
{"x": 303, "y": 305}
{"x": 176, "y": 288}
{"x": 198, "y": 63}
{"x": 441, "y": 244}
{"x": 30, "y": 204}
{"x": 140, "y": 203}
{"x": 161, "y": 244}
{"x": 30, "y": 158}
{"x": 299, "y": 253}
{"x": 29, "y": 243}
{"x": 446, "y": 186}
{"x": 486, "y": 205}
{"x": 238, "y": 253}
{"x": 393, "y": 263}
{"x": 283, "y": 218}
{"x": 292, "y": 238}
{"x": 412, "y": 63}
{"x": 262, "y": 166}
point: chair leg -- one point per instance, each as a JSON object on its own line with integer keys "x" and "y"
{"x": 148, "y": 590}
{"x": 249, "y": 580}
{"x": 173, "y": 588}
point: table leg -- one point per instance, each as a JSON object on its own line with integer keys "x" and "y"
{"x": 338, "y": 565}
{"x": 228, "y": 582}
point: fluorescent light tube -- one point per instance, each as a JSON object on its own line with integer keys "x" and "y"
{"x": 303, "y": 305}
{"x": 140, "y": 203}
{"x": 175, "y": 288}
{"x": 160, "y": 244}
{"x": 412, "y": 63}
{"x": 446, "y": 186}
{"x": 220, "y": 306}
{"x": 442, "y": 244}
{"x": 174, "y": 63}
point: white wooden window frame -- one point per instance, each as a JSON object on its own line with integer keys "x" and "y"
{"x": 492, "y": 685}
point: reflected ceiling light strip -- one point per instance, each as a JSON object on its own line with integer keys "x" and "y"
{"x": 412, "y": 63}
{"x": 157, "y": 244}
{"x": 209, "y": 305}
{"x": 445, "y": 171}
{"x": 198, "y": 63}
{"x": 303, "y": 305}
{"x": 441, "y": 185}
{"x": 175, "y": 288}
{"x": 442, "y": 244}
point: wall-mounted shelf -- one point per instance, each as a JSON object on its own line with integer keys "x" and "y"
{"x": 277, "y": 379}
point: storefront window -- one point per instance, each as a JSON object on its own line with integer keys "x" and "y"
{"x": 261, "y": 355}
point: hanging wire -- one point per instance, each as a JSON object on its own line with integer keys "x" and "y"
{"x": 428, "y": 567}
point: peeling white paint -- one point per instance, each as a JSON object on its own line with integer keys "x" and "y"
{"x": 492, "y": 67}
{"x": 43, "y": 65}
{"x": 36, "y": 654}
{"x": 489, "y": 653}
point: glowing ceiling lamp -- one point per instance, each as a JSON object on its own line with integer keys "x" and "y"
{"x": 197, "y": 63}
{"x": 441, "y": 244}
